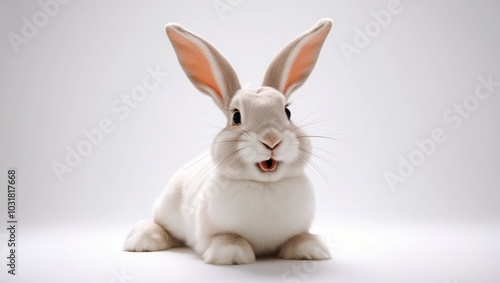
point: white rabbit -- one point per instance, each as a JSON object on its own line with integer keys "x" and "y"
{"x": 250, "y": 196}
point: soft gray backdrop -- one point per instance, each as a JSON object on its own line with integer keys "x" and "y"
{"x": 380, "y": 88}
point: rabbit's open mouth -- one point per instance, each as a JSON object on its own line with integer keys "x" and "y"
{"x": 268, "y": 165}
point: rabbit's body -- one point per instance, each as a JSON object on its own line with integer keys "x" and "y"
{"x": 250, "y": 195}
{"x": 266, "y": 214}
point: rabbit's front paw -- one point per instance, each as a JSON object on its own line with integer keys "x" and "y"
{"x": 229, "y": 249}
{"x": 148, "y": 236}
{"x": 304, "y": 246}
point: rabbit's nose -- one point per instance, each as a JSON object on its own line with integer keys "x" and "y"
{"x": 270, "y": 140}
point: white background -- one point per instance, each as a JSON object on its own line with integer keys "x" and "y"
{"x": 440, "y": 225}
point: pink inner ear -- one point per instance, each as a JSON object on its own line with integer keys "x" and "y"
{"x": 194, "y": 61}
{"x": 305, "y": 59}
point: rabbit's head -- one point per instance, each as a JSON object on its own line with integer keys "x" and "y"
{"x": 260, "y": 142}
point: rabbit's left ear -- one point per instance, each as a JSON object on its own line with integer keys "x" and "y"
{"x": 292, "y": 65}
{"x": 208, "y": 70}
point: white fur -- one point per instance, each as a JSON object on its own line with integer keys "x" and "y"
{"x": 307, "y": 246}
{"x": 223, "y": 204}
{"x": 148, "y": 236}
{"x": 224, "y": 249}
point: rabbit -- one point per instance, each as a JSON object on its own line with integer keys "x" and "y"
{"x": 250, "y": 195}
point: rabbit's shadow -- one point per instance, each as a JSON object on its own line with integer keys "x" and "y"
{"x": 267, "y": 266}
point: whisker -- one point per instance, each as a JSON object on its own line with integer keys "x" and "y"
{"x": 199, "y": 160}
{"x": 243, "y": 130}
{"x": 323, "y": 137}
{"x": 320, "y": 172}
{"x": 203, "y": 171}
{"x": 301, "y": 125}
{"x": 229, "y": 155}
{"x": 317, "y": 120}
{"x": 330, "y": 154}
{"x": 211, "y": 167}
{"x": 229, "y": 141}
{"x": 208, "y": 125}
{"x": 325, "y": 160}
{"x": 195, "y": 140}
{"x": 222, "y": 121}
{"x": 205, "y": 147}
{"x": 218, "y": 164}
{"x": 300, "y": 122}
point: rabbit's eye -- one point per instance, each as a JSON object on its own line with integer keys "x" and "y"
{"x": 236, "y": 118}
{"x": 288, "y": 113}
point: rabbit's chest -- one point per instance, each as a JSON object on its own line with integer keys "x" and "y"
{"x": 266, "y": 214}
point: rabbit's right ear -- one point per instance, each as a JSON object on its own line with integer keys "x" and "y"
{"x": 208, "y": 70}
{"x": 294, "y": 63}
